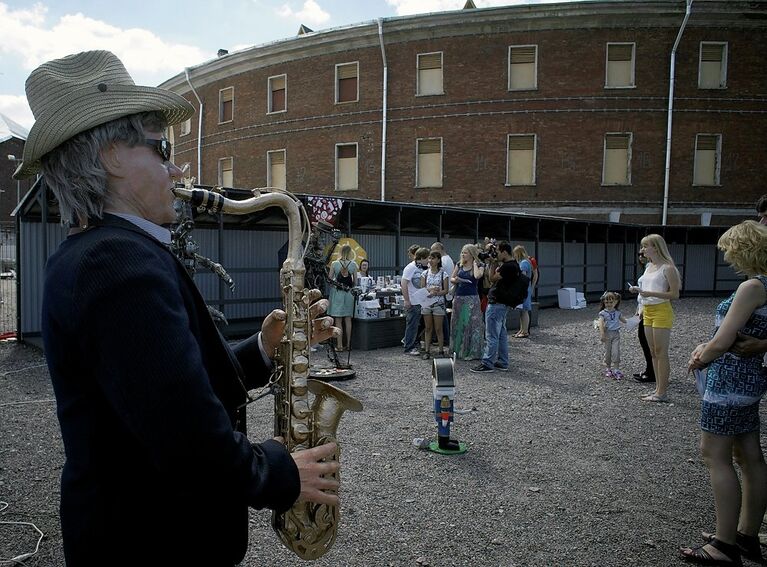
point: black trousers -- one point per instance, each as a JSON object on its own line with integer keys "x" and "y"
{"x": 649, "y": 370}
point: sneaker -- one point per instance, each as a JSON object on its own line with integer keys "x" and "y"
{"x": 481, "y": 368}
{"x": 608, "y": 373}
{"x": 413, "y": 352}
{"x": 500, "y": 367}
{"x": 617, "y": 374}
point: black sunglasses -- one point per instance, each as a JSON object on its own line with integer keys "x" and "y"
{"x": 162, "y": 146}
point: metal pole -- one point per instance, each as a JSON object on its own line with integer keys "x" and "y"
{"x": 671, "y": 111}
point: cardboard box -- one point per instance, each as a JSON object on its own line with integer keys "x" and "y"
{"x": 366, "y": 313}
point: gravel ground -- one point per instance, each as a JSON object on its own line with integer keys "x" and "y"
{"x": 564, "y": 466}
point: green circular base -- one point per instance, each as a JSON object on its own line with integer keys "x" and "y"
{"x": 434, "y": 447}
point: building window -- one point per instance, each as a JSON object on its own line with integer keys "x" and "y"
{"x": 523, "y": 67}
{"x": 617, "y": 159}
{"x": 225, "y": 105}
{"x": 428, "y": 169}
{"x": 226, "y": 172}
{"x": 429, "y": 80}
{"x": 708, "y": 153}
{"x": 520, "y": 161}
{"x": 619, "y": 71}
{"x": 278, "y": 91}
{"x": 712, "y": 72}
{"x": 347, "y": 82}
{"x": 346, "y": 167}
{"x": 275, "y": 169}
{"x": 186, "y": 127}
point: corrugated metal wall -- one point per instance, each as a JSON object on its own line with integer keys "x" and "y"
{"x": 35, "y": 247}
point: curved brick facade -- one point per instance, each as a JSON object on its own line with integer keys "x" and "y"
{"x": 565, "y": 142}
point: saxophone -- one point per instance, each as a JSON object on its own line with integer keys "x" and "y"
{"x": 307, "y": 529}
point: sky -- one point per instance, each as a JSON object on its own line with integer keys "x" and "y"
{"x": 156, "y": 40}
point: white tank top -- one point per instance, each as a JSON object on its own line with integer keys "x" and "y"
{"x": 654, "y": 281}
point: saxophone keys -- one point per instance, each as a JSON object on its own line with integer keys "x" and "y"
{"x": 300, "y": 433}
{"x": 300, "y": 364}
{"x": 299, "y": 340}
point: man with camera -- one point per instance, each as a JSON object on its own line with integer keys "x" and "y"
{"x": 504, "y": 277}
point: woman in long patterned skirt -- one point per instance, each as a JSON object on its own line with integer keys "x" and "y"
{"x": 466, "y": 327}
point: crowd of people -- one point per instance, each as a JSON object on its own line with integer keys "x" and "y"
{"x": 450, "y": 302}
{"x": 150, "y": 396}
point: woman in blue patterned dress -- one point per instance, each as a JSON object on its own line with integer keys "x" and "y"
{"x": 730, "y": 407}
{"x": 466, "y": 327}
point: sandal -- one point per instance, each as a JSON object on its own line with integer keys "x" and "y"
{"x": 522, "y": 335}
{"x": 655, "y": 398}
{"x": 700, "y": 556}
{"x": 750, "y": 547}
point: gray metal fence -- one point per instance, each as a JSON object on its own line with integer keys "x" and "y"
{"x": 589, "y": 256}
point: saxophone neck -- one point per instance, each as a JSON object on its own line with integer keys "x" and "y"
{"x": 216, "y": 203}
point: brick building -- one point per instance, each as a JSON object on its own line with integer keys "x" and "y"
{"x": 555, "y": 109}
{"x": 12, "y": 139}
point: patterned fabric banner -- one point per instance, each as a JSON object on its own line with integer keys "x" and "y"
{"x": 324, "y": 209}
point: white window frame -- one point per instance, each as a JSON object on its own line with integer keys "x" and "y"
{"x": 725, "y": 63}
{"x": 357, "y": 99}
{"x": 269, "y": 166}
{"x": 185, "y": 128}
{"x": 418, "y": 72}
{"x": 441, "y": 162}
{"x": 335, "y": 160}
{"x": 718, "y": 169}
{"x": 269, "y": 109}
{"x": 220, "y": 105}
{"x": 535, "y": 159}
{"x": 633, "y": 63}
{"x": 629, "y": 158}
{"x": 221, "y": 170}
{"x": 535, "y": 67}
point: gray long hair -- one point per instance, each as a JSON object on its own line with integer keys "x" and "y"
{"x": 74, "y": 171}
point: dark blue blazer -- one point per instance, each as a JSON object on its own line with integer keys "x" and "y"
{"x": 156, "y": 472}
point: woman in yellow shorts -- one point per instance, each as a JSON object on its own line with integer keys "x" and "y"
{"x": 657, "y": 287}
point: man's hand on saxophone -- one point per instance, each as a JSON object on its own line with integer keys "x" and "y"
{"x": 312, "y": 471}
{"x": 322, "y": 327}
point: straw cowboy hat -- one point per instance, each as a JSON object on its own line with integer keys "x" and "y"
{"x": 78, "y": 92}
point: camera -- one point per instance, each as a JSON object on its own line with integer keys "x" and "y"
{"x": 491, "y": 252}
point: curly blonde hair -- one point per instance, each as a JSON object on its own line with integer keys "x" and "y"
{"x": 745, "y": 247}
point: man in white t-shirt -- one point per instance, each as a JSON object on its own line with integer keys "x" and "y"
{"x": 411, "y": 281}
{"x": 447, "y": 266}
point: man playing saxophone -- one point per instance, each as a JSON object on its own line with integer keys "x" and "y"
{"x": 148, "y": 392}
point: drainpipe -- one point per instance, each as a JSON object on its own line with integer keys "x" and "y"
{"x": 383, "y": 119}
{"x": 671, "y": 110}
{"x": 199, "y": 129}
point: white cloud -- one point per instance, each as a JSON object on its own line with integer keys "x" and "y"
{"x": 408, "y": 7}
{"x": 30, "y": 40}
{"x": 16, "y": 108}
{"x": 310, "y": 12}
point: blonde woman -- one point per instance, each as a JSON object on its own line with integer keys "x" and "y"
{"x": 341, "y": 308}
{"x": 729, "y": 420}
{"x": 526, "y": 267}
{"x": 466, "y": 326}
{"x": 657, "y": 287}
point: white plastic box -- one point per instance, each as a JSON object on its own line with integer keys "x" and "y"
{"x": 570, "y": 299}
